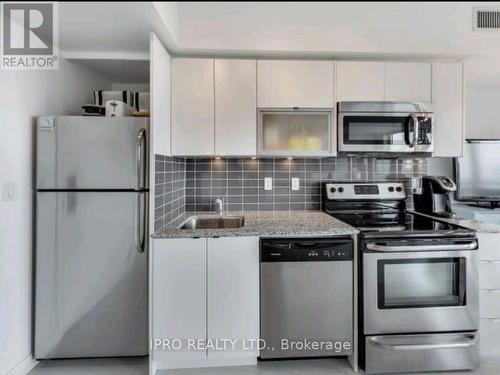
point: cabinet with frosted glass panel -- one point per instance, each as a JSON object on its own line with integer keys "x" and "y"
{"x": 301, "y": 132}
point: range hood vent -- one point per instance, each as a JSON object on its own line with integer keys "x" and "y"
{"x": 486, "y": 19}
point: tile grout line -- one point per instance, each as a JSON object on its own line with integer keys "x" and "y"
{"x": 274, "y": 189}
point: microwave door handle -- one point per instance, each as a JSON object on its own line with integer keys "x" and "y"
{"x": 394, "y": 249}
{"x": 414, "y": 120}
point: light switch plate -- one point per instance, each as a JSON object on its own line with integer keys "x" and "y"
{"x": 9, "y": 191}
{"x": 295, "y": 183}
{"x": 268, "y": 183}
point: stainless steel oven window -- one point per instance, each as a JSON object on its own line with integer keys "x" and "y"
{"x": 421, "y": 283}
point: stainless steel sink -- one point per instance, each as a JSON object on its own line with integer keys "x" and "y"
{"x": 197, "y": 222}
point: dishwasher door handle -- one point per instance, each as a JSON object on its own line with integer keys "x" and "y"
{"x": 306, "y": 244}
{"x": 447, "y": 247}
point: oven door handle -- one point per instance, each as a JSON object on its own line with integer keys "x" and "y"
{"x": 450, "y": 247}
{"x": 466, "y": 342}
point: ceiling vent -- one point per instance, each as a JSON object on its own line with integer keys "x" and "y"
{"x": 486, "y": 19}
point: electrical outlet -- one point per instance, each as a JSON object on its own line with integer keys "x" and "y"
{"x": 268, "y": 183}
{"x": 295, "y": 183}
{"x": 9, "y": 191}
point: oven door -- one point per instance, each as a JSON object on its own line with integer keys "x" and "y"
{"x": 424, "y": 291}
{"x": 381, "y": 132}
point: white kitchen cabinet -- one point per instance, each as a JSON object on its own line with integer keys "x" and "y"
{"x": 489, "y": 246}
{"x": 205, "y": 288}
{"x": 235, "y": 107}
{"x": 482, "y": 117}
{"x": 489, "y": 329}
{"x": 297, "y": 83}
{"x": 193, "y": 106}
{"x": 360, "y": 81}
{"x": 448, "y": 100}
{"x": 489, "y": 279}
{"x": 405, "y": 81}
{"x": 489, "y": 297}
{"x": 159, "y": 67}
{"x": 179, "y": 295}
{"x": 233, "y": 293}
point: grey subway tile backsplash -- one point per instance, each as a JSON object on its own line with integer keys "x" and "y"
{"x": 243, "y": 184}
{"x": 170, "y": 189}
{"x": 188, "y": 185}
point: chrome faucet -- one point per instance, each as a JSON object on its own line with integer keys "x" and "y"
{"x": 219, "y": 203}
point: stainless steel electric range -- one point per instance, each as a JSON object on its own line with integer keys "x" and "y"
{"x": 419, "y": 294}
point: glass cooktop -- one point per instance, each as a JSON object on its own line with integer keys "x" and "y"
{"x": 393, "y": 222}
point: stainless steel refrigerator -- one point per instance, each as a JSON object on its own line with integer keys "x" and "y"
{"x": 91, "y": 296}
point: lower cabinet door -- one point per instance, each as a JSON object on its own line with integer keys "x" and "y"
{"x": 490, "y": 331}
{"x": 488, "y": 246}
{"x": 489, "y": 303}
{"x": 179, "y": 299}
{"x": 489, "y": 274}
{"x": 233, "y": 296}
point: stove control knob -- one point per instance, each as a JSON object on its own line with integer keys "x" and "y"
{"x": 341, "y": 189}
{"x": 398, "y": 189}
{"x": 333, "y": 190}
{"x": 391, "y": 189}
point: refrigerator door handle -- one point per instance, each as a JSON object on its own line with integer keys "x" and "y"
{"x": 141, "y": 137}
{"x": 140, "y": 223}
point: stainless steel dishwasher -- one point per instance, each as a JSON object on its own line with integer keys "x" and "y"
{"x": 306, "y": 297}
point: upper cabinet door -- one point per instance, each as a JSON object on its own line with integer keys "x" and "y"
{"x": 447, "y": 96}
{"x": 408, "y": 82}
{"x": 360, "y": 81}
{"x": 287, "y": 84}
{"x": 235, "y": 107}
{"x": 192, "y": 106}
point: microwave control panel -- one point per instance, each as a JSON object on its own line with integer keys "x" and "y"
{"x": 424, "y": 131}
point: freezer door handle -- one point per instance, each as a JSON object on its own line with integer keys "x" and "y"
{"x": 140, "y": 224}
{"x": 140, "y": 157}
{"x": 467, "y": 341}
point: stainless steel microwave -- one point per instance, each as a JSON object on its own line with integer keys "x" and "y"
{"x": 381, "y": 127}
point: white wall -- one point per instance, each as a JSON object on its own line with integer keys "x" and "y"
{"x": 429, "y": 28}
{"x": 440, "y": 166}
{"x": 482, "y": 114}
{"x": 134, "y": 87}
{"x": 25, "y": 94}
{"x": 168, "y": 11}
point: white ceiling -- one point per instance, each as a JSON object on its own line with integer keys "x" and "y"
{"x": 120, "y": 71}
{"x": 442, "y": 29}
{"x": 108, "y": 28}
{"x": 400, "y": 30}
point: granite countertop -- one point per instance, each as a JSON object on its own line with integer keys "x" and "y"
{"x": 286, "y": 223}
{"x": 476, "y": 225}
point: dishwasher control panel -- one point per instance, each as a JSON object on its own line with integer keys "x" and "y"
{"x": 306, "y": 250}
